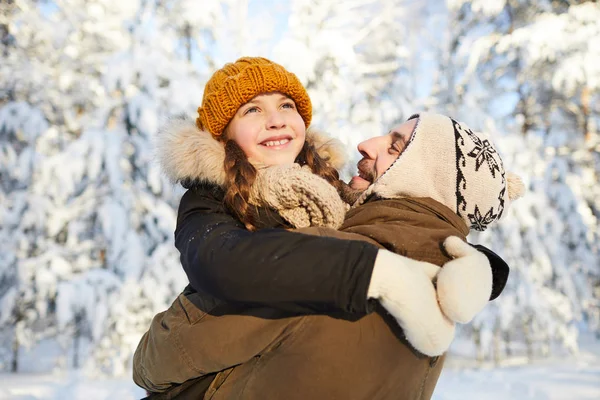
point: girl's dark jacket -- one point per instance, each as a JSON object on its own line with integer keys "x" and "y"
{"x": 277, "y": 268}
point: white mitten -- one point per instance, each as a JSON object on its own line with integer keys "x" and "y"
{"x": 403, "y": 286}
{"x": 464, "y": 285}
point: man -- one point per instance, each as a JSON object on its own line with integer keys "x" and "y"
{"x": 261, "y": 352}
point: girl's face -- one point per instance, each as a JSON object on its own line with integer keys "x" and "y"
{"x": 268, "y": 129}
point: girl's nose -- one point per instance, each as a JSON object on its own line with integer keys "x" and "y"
{"x": 275, "y": 120}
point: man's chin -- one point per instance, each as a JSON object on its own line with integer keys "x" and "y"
{"x": 348, "y": 194}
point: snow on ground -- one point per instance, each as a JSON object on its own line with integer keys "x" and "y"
{"x": 558, "y": 377}
{"x": 555, "y": 378}
{"x": 65, "y": 387}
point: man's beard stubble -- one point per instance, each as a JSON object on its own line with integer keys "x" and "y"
{"x": 366, "y": 169}
{"x": 367, "y": 172}
{"x": 348, "y": 194}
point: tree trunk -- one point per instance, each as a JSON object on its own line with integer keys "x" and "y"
{"x": 507, "y": 347}
{"x": 585, "y": 110}
{"x": 497, "y": 341}
{"x": 478, "y": 345}
{"x": 188, "y": 41}
{"x": 76, "y": 341}
{"x": 14, "y": 367}
{"x": 528, "y": 341}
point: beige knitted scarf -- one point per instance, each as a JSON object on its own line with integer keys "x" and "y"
{"x": 302, "y": 198}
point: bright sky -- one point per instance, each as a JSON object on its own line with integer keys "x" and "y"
{"x": 266, "y": 21}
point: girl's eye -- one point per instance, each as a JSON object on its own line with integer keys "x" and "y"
{"x": 251, "y": 110}
{"x": 289, "y": 105}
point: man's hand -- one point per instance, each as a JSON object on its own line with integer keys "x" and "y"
{"x": 464, "y": 284}
{"x": 404, "y": 287}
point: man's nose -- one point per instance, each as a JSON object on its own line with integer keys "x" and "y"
{"x": 367, "y": 149}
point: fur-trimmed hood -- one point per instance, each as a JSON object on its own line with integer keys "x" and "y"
{"x": 185, "y": 152}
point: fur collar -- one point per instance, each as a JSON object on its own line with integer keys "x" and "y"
{"x": 185, "y": 152}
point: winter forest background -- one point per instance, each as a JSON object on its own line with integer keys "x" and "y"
{"x": 87, "y": 219}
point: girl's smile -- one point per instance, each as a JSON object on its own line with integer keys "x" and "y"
{"x": 277, "y": 142}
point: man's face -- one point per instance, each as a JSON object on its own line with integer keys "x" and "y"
{"x": 379, "y": 153}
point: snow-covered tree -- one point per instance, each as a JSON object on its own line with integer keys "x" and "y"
{"x": 20, "y": 287}
{"x": 530, "y": 70}
{"x": 352, "y": 57}
{"x": 88, "y": 219}
{"x": 22, "y": 122}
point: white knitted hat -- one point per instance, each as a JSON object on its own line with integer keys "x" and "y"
{"x": 448, "y": 162}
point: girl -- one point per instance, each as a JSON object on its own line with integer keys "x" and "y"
{"x": 254, "y": 114}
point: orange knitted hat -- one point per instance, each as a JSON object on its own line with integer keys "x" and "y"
{"x": 237, "y": 83}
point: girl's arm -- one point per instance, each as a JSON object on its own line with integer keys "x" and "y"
{"x": 275, "y": 267}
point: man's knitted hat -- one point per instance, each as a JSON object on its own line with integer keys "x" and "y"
{"x": 237, "y": 83}
{"x": 448, "y": 162}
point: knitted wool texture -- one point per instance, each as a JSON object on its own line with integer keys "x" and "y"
{"x": 448, "y": 162}
{"x": 237, "y": 83}
{"x": 302, "y": 198}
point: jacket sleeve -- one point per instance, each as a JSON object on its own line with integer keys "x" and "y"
{"x": 500, "y": 270}
{"x": 270, "y": 267}
{"x": 187, "y": 342}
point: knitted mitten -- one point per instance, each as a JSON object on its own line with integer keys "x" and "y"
{"x": 464, "y": 284}
{"x": 299, "y": 196}
{"x": 404, "y": 288}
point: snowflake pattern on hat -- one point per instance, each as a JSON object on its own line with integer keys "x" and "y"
{"x": 469, "y": 144}
{"x": 483, "y": 151}
{"x": 480, "y": 222}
